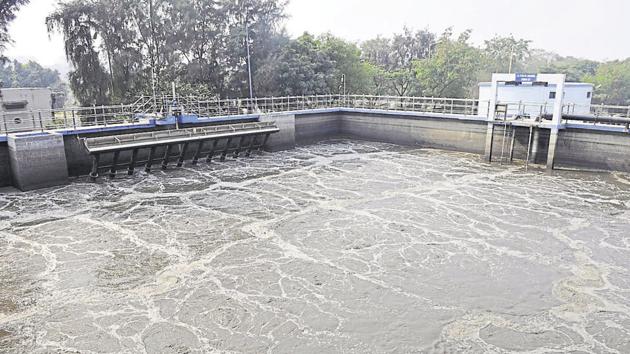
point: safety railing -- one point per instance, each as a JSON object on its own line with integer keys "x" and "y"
{"x": 216, "y": 107}
{"x": 146, "y": 107}
{"x": 66, "y": 118}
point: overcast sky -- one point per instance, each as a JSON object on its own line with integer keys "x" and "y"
{"x": 594, "y": 29}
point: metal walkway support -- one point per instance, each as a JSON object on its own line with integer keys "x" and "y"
{"x": 182, "y": 138}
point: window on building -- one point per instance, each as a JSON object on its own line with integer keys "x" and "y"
{"x": 589, "y": 94}
{"x": 552, "y": 95}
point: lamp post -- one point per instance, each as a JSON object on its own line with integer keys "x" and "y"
{"x": 249, "y": 57}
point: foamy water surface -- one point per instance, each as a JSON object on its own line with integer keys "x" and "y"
{"x": 343, "y": 246}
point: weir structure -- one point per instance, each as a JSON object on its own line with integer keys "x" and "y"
{"x": 88, "y": 141}
{"x": 203, "y": 141}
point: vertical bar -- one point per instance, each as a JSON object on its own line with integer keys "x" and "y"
{"x": 251, "y": 146}
{"x": 197, "y": 153}
{"x": 74, "y": 121}
{"x": 4, "y": 122}
{"x": 225, "y": 151}
{"x": 182, "y": 155}
{"x": 512, "y": 144}
{"x": 503, "y": 142}
{"x": 94, "y": 172}
{"x": 147, "y": 168}
{"x": 167, "y": 155}
{"x": 65, "y": 119}
{"x": 529, "y": 146}
{"x": 41, "y": 124}
{"x": 132, "y": 163}
{"x": 264, "y": 142}
{"x": 212, "y": 150}
{"x": 112, "y": 170}
{"x": 238, "y": 148}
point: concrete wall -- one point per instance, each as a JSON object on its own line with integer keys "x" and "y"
{"x": 5, "y": 165}
{"x": 438, "y": 133}
{"x": 310, "y": 128}
{"x": 582, "y": 148}
{"x": 38, "y": 160}
{"x": 577, "y": 148}
{"x": 285, "y": 139}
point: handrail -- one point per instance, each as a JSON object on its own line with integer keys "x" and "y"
{"x": 159, "y": 107}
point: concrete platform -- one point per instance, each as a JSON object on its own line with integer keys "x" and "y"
{"x": 38, "y": 160}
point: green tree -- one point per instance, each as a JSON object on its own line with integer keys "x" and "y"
{"x": 506, "y": 54}
{"x": 575, "y": 69}
{"x": 79, "y": 22}
{"x": 612, "y": 82}
{"x": 30, "y": 74}
{"x": 300, "y": 68}
{"x": 452, "y": 70}
{"x": 314, "y": 65}
{"x": 396, "y": 57}
{"x": 346, "y": 60}
{"x": 121, "y": 48}
{"x": 8, "y": 8}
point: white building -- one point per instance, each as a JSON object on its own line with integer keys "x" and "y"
{"x": 25, "y": 108}
{"x": 533, "y": 98}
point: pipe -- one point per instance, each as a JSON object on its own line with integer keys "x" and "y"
{"x": 593, "y": 119}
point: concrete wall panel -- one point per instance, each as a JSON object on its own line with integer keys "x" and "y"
{"x": 310, "y": 128}
{"x": 285, "y": 139}
{"x": 38, "y": 160}
{"x": 581, "y": 148}
{"x": 438, "y": 133}
{"x": 5, "y": 166}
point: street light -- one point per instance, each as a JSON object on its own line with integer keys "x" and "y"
{"x": 249, "y": 57}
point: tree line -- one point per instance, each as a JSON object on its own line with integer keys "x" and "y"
{"x": 120, "y": 49}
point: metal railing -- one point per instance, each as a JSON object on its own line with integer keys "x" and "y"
{"x": 147, "y": 107}
{"x": 66, "y": 118}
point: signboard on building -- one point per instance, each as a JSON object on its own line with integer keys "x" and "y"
{"x": 526, "y": 77}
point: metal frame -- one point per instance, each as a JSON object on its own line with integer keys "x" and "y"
{"x": 182, "y": 138}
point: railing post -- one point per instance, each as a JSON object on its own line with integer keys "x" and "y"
{"x": 41, "y": 124}
{"x": 4, "y": 122}
{"x": 74, "y": 121}
{"x": 65, "y": 119}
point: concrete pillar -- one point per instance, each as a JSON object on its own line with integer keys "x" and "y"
{"x": 556, "y": 121}
{"x": 553, "y": 143}
{"x": 38, "y": 160}
{"x": 491, "y": 116}
{"x": 489, "y": 142}
{"x": 5, "y": 165}
{"x": 535, "y": 144}
{"x": 285, "y": 138}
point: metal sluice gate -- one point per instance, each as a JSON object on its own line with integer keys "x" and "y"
{"x": 205, "y": 141}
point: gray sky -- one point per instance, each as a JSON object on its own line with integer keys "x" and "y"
{"x": 583, "y": 28}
